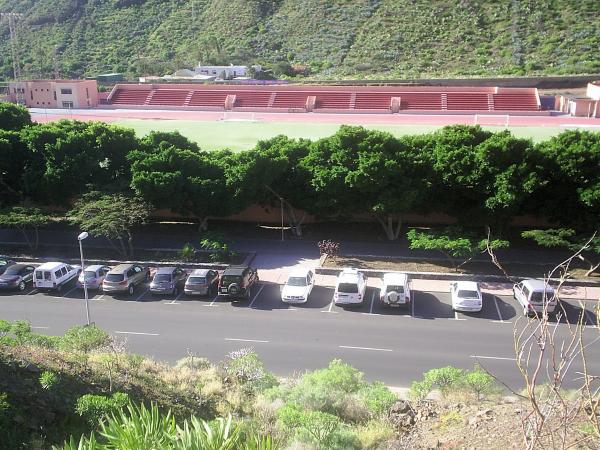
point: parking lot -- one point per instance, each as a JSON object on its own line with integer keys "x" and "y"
{"x": 376, "y": 338}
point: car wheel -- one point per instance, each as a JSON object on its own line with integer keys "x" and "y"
{"x": 130, "y": 289}
{"x": 21, "y": 286}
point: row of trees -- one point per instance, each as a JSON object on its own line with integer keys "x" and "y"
{"x": 477, "y": 176}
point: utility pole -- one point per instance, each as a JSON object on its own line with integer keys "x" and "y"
{"x": 14, "y": 41}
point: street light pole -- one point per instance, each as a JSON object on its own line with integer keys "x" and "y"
{"x": 80, "y": 238}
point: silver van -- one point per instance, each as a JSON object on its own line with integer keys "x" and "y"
{"x": 535, "y": 295}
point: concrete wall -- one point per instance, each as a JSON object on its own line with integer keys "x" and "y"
{"x": 593, "y": 90}
{"x": 53, "y": 93}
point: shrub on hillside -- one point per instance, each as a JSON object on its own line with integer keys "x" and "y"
{"x": 94, "y": 407}
{"x": 84, "y": 339}
{"x": 245, "y": 368}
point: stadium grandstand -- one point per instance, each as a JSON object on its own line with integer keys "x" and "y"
{"x": 324, "y": 99}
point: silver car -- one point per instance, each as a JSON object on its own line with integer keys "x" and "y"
{"x": 202, "y": 282}
{"x": 168, "y": 280}
{"x": 93, "y": 275}
{"x": 124, "y": 278}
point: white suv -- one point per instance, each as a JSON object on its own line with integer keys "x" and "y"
{"x": 395, "y": 290}
{"x": 350, "y": 288}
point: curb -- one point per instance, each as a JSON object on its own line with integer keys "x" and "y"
{"x": 453, "y": 276}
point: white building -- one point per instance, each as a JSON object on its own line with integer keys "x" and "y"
{"x": 224, "y": 72}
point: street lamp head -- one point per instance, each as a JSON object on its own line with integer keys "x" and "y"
{"x": 83, "y": 236}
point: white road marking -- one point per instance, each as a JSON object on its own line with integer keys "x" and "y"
{"x": 492, "y": 357}
{"x": 141, "y": 295}
{"x": 32, "y": 292}
{"x": 256, "y": 296}
{"x": 330, "y": 306}
{"x": 213, "y": 301}
{"x": 39, "y": 328}
{"x": 372, "y": 299}
{"x": 246, "y": 340}
{"x": 498, "y": 310}
{"x": 100, "y": 298}
{"x": 500, "y": 321}
{"x": 367, "y": 348}
{"x": 456, "y": 316}
{"x": 137, "y": 333}
{"x": 69, "y": 291}
{"x": 588, "y": 316}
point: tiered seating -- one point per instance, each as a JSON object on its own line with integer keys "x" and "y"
{"x": 467, "y": 101}
{"x": 208, "y": 98}
{"x": 332, "y": 100}
{"x": 291, "y": 99}
{"x": 421, "y": 101}
{"x": 130, "y": 97}
{"x": 373, "y": 100}
{"x": 252, "y": 99}
{"x": 169, "y": 97}
{"x": 521, "y": 101}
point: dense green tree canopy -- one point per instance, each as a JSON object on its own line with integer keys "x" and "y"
{"x": 13, "y": 117}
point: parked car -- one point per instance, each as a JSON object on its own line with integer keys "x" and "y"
{"x": 237, "y": 281}
{"x": 94, "y": 276}
{"x": 4, "y": 263}
{"x": 395, "y": 290}
{"x": 350, "y": 288}
{"x": 168, "y": 280}
{"x": 202, "y": 282}
{"x": 533, "y": 295}
{"x": 466, "y": 296}
{"x": 125, "y": 278}
{"x": 298, "y": 286}
{"x": 17, "y": 276}
{"x": 54, "y": 275}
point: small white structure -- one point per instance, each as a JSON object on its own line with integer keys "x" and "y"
{"x": 224, "y": 72}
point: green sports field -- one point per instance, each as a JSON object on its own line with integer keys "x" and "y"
{"x": 243, "y": 135}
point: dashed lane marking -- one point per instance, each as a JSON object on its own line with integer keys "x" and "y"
{"x": 367, "y": 348}
{"x": 501, "y": 358}
{"x": 137, "y": 333}
{"x": 247, "y": 340}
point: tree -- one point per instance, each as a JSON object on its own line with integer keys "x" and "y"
{"x": 13, "y": 157}
{"x": 363, "y": 171}
{"x": 25, "y": 218}
{"x": 479, "y": 382}
{"x": 111, "y": 216}
{"x": 184, "y": 181}
{"x": 153, "y": 140}
{"x": 453, "y": 243}
{"x": 583, "y": 247}
{"x": 13, "y": 117}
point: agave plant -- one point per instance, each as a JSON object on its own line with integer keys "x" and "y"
{"x": 258, "y": 442}
{"x": 140, "y": 428}
{"x": 84, "y": 443}
{"x": 221, "y": 434}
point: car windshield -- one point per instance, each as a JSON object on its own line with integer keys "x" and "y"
{"x": 13, "y": 270}
{"x": 399, "y": 289}
{"x": 228, "y": 279}
{"x": 348, "y": 288}
{"x": 296, "y": 281}
{"x": 197, "y": 280}
{"x": 468, "y": 294}
{"x": 89, "y": 274}
{"x": 115, "y": 277}
{"x": 162, "y": 277}
{"x": 538, "y": 297}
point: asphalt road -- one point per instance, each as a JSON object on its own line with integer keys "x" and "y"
{"x": 392, "y": 345}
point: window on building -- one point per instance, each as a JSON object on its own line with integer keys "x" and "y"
{"x": 54, "y": 95}
{"x": 66, "y": 91}
{"x": 67, "y": 104}
{"x": 31, "y": 92}
{"x": 87, "y": 93}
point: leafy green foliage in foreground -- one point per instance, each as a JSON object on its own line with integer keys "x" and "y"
{"x": 84, "y": 391}
{"x": 353, "y": 38}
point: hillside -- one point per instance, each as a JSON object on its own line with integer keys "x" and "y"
{"x": 336, "y": 38}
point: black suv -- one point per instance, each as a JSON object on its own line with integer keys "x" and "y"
{"x": 237, "y": 281}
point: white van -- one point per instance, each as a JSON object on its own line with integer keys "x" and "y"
{"x": 54, "y": 275}
{"x": 533, "y": 295}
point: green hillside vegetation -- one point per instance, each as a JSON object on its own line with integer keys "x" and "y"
{"x": 335, "y": 38}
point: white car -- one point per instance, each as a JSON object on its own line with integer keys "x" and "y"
{"x": 54, "y": 275}
{"x": 298, "y": 286}
{"x": 534, "y": 296}
{"x": 350, "y": 288}
{"x": 395, "y": 290}
{"x": 466, "y": 296}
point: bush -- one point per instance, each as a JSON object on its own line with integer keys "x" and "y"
{"x": 49, "y": 380}
{"x": 314, "y": 427}
{"x": 21, "y": 330}
{"x": 193, "y": 362}
{"x": 378, "y": 398}
{"x": 245, "y": 367}
{"x": 218, "y": 247}
{"x": 188, "y": 252}
{"x": 444, "y": 378}
{"x": 373, "y": 433}
{"x": 94, "y": 407}
{"x": 84, "y": 338}
{"x": 479, "y": 383}
{"x": 419, "y": 390}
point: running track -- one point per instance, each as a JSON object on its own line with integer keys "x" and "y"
{"x": 109, "y": 115}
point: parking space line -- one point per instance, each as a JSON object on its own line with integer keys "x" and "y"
{"x": 32, "y": 292}
{"x": 137, "y": 333}
{"x": 68, "y": 292}
{"x": 246, "y": 340}
{"x": 588, "y": 316}
{"x": 39, "y": 328}
{"x": 256, "y": 296}
{"x": 500, "y": 321}
{"x": 213, "y": 301}
{"x": 141, "y": 295}
{"x": 456, "y": 316}
{"x": 501, "y": 358}
{"x": 367, "y": 348}
{"x": 101, "y": 297}
{"x": 498, "y": 310}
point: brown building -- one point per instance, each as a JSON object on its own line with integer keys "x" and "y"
{"x": 54, "y": 93}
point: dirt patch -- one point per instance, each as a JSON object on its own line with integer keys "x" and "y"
{"x": 423, "y": 265}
